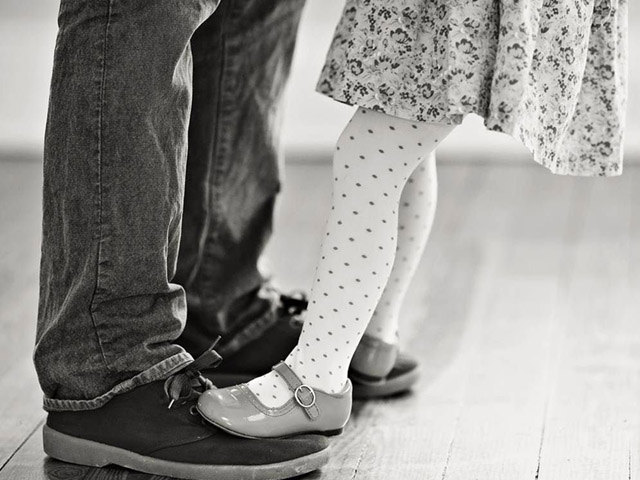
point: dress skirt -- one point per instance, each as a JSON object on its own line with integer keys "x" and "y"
{"x": 551, "y": 73}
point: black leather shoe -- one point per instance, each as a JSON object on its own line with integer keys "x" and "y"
{"x": 257, "y": 357}
{"x": 156, "y": 429}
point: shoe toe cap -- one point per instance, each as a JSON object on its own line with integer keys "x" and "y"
{"x": 215, "y": 405}
{"x": 230, "y": 409}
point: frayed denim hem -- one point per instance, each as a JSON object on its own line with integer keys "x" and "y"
{"x": 157, "y": 372}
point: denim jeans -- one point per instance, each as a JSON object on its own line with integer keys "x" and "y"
{"x": 160, "y": 177}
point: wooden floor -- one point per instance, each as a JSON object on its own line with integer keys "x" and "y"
{"x": 525, "y": 315}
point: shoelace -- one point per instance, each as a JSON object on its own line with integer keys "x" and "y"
{"x": 293, "y": 306}
{"x": 189, "y": 383}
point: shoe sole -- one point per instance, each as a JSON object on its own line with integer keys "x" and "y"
{"x": 363, "y": 389}
{"x": 93, "y": 454}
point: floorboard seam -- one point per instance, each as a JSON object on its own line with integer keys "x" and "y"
{"x": 37, "y": 427}
{"x": 450, "y": 450}
{"x": 542, "y": 433}
{"x": 360, "y": 457}
{"x": 573, "y": 227}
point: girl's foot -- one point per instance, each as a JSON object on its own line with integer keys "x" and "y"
{"x": 235, "y": 370}
{"x": 374, "y": 358}
{"x": 378, "y": 369}
{"x": 239, "y": 411}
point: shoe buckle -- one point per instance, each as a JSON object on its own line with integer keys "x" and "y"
{"x": 297, "y": 392}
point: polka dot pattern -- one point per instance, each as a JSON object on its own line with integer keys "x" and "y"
{"x": 358, "y": 251}
{"x": 416, "y": 213}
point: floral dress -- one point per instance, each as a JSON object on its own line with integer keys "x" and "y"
{"x": 549, "y": 72}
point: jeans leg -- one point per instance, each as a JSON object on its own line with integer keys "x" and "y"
{"x": 114, "y": 168}
{"x": 242, "y": 56}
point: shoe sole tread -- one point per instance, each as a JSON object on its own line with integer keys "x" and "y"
{"x": 94, "y": 454}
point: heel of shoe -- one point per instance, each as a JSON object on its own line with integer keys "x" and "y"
{"x": 373, "y": 358}
{"x": 73, "y": 450}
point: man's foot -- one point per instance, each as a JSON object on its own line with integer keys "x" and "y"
{"x": 256, "y": 358}
{"x": 156, "y": 429}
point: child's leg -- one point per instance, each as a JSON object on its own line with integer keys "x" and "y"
{"x": 374, "y": 157}
{"x": 415, "y": 218}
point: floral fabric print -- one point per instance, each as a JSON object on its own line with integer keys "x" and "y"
{"x": 549, "y": 72}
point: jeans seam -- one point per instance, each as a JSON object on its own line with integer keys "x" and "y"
{"x": 209, "y": 194}
{"x": 214, "y": 192}
{"x": 101, "y": 104}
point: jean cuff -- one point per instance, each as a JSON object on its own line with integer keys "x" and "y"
{"x": 158, "y": 371}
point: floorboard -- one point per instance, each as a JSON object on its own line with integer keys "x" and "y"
{"x": 498, "y": 434}
{"x": 593, "y": 408}
{"x": 524, "y": 315}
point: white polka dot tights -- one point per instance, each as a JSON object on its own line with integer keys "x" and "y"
{"x": 375, "y": 157}
{"x": 415, "y": 217}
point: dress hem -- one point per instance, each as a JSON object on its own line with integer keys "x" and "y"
{"x": 491, "y": 123}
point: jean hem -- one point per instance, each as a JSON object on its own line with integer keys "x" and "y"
{"x": 158, "y": 371}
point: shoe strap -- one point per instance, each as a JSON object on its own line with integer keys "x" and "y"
{"x": 303, "y": 394}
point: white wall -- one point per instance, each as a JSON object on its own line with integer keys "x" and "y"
{"x": 27, "y": 37}
{"x": 312, "y": 122}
